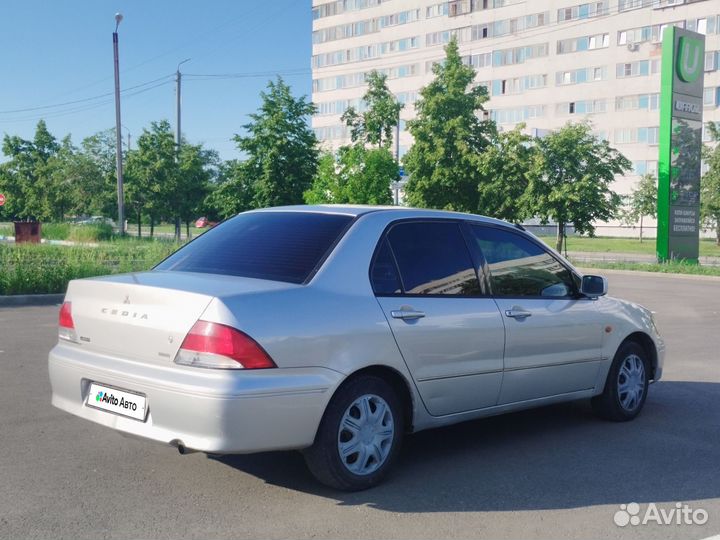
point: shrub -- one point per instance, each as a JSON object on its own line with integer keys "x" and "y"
{"x": 91, "y": 233}
{"x": 55, "y": 231}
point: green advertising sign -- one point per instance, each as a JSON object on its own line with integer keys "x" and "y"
{"x": 679, "y": 164}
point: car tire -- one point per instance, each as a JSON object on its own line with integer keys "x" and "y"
{"x": 359, "y": 436}
{"x": 627, "y": 383}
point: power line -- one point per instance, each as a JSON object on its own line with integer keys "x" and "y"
{"x": 82, "y": 108}
{"x": 184, "y": 44}
{"x": 248, "y": 75}
{"x": 83, "y": 100}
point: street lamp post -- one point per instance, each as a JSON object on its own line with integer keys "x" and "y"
{"x": 118, "y": 129}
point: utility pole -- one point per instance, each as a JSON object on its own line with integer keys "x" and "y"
{"x": 178, "y": 105}
{"x": 178, "y": 131}
{"x": 129, "y": 140}
{"x": 118, "y": 130}
{"x": 396, "y": 183}
{"x": 397, "y": 139}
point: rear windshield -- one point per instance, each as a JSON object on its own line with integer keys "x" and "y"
{"x": 280, "y": 246}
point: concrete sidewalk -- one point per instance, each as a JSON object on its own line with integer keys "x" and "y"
{"x": 603, "y": 256}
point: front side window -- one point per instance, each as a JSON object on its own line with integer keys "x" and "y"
{"x": 519, "y": 267}
{"x": 433, "y": 259}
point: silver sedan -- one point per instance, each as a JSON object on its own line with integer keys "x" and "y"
{"x": 336, "y": 330}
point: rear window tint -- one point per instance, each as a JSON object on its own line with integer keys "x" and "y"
{"x": 279, "y": 246}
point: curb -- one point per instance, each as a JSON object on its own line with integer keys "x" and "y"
{"x": 645, "y": 273}
{"x": 31, "y": 300}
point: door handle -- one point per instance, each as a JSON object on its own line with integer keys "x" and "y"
{"x": 407, "y": 314}
{"x": 517, "y": 313}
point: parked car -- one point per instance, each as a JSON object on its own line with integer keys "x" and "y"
{"x": 336, "y": 330}
{"x": 96, "y": 220}
{"x": 203, "y": 222}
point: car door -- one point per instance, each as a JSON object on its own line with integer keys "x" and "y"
{"x": 448, "y": 329}
{"x": 553, "y": 335}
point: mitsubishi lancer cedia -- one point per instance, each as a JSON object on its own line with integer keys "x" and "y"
{"x": 336, "y": 330}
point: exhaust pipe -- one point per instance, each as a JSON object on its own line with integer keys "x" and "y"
{"x": 182, "y": 449}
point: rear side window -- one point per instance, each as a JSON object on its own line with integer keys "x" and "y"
{"x": 384, "y": 276}
{"x": 279, "y": 246}
{"x": 519, "y": 267}
{"x": 433, "y": 259}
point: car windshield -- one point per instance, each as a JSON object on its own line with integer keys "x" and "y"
{"x": 279, "y": 246}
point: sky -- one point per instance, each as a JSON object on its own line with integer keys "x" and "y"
{"x": 54, "y": 53}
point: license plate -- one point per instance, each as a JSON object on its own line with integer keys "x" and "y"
{"x": 114, "y": 400}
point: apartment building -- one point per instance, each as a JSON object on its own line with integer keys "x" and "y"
{"x": 544, "y": 62}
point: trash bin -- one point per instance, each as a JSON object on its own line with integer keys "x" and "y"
{"x": 27, "y": 231}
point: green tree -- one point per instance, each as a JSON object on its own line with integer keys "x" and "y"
{"x": 281, "y": 148}
{"x": 359, "y": 176}
{"x": 152, "y": 174}
{"x": 326, "y": 187}
{"x": 64, "y": 180}
{"x": 232, "y": 192}
{"x": 642, "y": 201}
{"x": 710, "y": 184}
{"x": 506, "y": 167}
{"x": 572, "y": 182}
{"x": 163, "y": 183}
{"x": 382, "y": 113}
{"x": 99, "y": 187}
{"x": 26, "y": 177}
{"x": 449, "y": 135}
{"x": 366, "y": 175}
{"x": 197, "y": 169}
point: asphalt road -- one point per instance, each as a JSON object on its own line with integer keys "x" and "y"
{"x": 556, "y": 472}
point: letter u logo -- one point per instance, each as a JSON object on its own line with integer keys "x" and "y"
{"x": 689, "y": 59}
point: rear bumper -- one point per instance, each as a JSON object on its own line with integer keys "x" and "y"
{"x": 214, "y": 411}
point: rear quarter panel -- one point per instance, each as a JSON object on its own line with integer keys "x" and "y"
{"x": 333, "y": 322}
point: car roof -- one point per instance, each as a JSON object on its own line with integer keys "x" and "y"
{"x": 356, "y": 210}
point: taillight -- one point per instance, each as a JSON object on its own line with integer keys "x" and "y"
{"x": 213, "y": 345}
{"x": 66, "y": 324}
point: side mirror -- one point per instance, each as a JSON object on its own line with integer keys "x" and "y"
{"x": 594, "y": 286}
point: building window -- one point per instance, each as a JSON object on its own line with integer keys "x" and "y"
{"x": 650, "y": 102}
{"x": 625, "y": 5}
{"x": 642, "y": 34}
{"x": 583, "y": 11}
{"x": 711, "y": 63}
{"x": 459, "y": 7}
{"x": 711, "y": 97}
{"x": 478, "y": 60}
{"x": 516, "y": 115}
{"x": 519, "y": 55}
{"x": 581, "y": 75}
{"x": 640, "y": 68}
{"x": 585, "y": 43}
{"x": 582, "y": 107}
{"x": 436, "y": 10}
{"x": 644, "y": 135}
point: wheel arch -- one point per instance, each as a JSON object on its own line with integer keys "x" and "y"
{"x": 395, "y": 379}
{"x": 648, "y": 345}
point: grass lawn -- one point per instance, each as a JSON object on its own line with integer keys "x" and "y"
{"x": 165, "y": 228}
{"x": 667, "y": 268}
{"x": 43, "y": 268}
{"x": 607, "y": 244}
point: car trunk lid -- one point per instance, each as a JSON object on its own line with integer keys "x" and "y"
{"x": 146, "y": 316}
